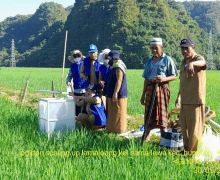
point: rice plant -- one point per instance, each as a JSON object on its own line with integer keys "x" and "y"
{"x": 26, "y": 153}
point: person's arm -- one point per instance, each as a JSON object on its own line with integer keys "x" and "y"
{"x": 93, "y": 100}
{"x": 201, "y": 63}
{"x": 171, "y": 72}
{"x": 80, "y": 102}
{"x": 144, "y": 92}
{"x": 100, "y": 77}
{"x": 160, "y": 79}
{"x": 69, "y": 78}
{"x": 119, "y": 76}
{"x": 178, "y": 100}
{"x": 82, "y": 73}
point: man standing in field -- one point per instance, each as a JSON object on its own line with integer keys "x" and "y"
{"x": 192, "y": 95}
{"x": 158, "y": 71}
{"x": 90, "y": 68}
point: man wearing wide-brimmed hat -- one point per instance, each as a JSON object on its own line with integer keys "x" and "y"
{"x": 192, "y": 94}
{"x": 158, "y": 72}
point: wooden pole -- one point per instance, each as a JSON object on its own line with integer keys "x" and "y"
{"x": 147, "y": 120}
{"x": 64, "y": 57}
{"x": 24, "y": 92}
{"x": 52, "y": 89}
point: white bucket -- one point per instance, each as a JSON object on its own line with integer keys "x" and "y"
{"x": 56, "y": 114}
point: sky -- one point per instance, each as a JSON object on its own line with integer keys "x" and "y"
{"x": 24, "y": 7}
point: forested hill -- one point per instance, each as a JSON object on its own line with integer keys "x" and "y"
{"x": 126, "y": 25}
{"x": 207, "y": 14}
{"x": 32, "y": 32}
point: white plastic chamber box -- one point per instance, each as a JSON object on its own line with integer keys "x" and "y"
{"x": 56, "y": 114}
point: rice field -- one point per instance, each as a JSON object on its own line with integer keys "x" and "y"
{"x": 82, "y": 154}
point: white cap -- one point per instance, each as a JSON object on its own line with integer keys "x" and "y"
{"x": 156, "y": 41}
{"x": 106, "y": 51}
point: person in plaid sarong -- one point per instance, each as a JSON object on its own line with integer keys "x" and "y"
{"x": 159, "y": 69}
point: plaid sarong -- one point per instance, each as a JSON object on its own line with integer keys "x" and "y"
{"x": 159, "y": 117}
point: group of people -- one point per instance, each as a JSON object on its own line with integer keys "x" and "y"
{"x": 100, "y": 89}
{"x": 106, "y": 77}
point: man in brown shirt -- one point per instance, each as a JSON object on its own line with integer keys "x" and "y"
{"x": 90, "y": 68}
{"x": 192, "y": 95}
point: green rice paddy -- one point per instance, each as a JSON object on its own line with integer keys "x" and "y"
{"x": 82, "y": 154}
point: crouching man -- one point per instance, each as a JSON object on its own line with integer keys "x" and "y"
{"x": 93, "y": 115}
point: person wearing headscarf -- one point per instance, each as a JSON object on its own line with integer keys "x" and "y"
{"x": 104, "y": 71}
{"x": 117, "y": 94}
{"x": 73, "y": 78}
{"x": 192, "y": 94}
{"x": 104, "y": 68}
{"x": 158, "y": 72}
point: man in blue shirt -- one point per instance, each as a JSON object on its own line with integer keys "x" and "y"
{"x": 90, "y": 67}
{"x": 159, "y": 69}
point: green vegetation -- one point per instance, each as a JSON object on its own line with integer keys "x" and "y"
{"x": 207, "y": 15}
{"x": 40, "y": 78}
{"x": 31, "y": 33}
{"x": 126, "y": 25}
{"x": 129, "y": 25}
{"x": 27, "y": 154}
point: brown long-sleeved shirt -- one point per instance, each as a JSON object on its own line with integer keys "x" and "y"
{"x": 193, "y": 89}
{"x": 92, "y": 79}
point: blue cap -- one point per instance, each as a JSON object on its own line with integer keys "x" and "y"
{"x": 114, "y": 54}
{"x": 187, "y": 43}
{"x": 92, "y": 48}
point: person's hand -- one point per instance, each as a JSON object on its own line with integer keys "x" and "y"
{"x": 160, "y": 79}
{"x": 71, "y": 94}
{"x": 190, "y": 69}
{"x": 102, "y": 83}
{"x": 115, "y": 96}
{"x": 69, "y": 84}
{"x": 142, "y": 99}
{"x": 79, "y": 98}
{"x": 69, "y": 58}
{"x": 85, "y": 77}
{"x": 177, "y": 102}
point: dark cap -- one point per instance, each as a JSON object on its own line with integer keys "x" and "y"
{"x": 114, "y": 54}
{"x": 187, "y": 43}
